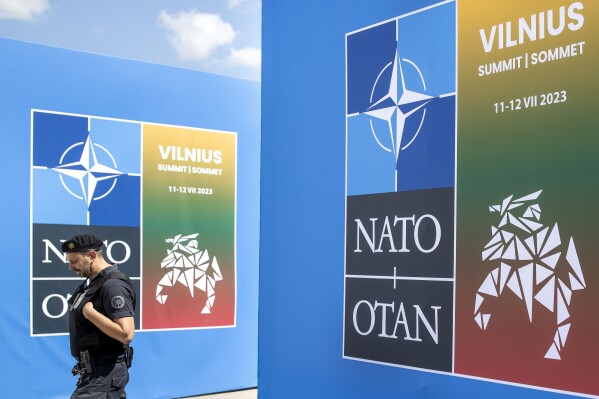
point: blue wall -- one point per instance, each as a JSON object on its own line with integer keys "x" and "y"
{"x": 303, "y": 210}
{"x": 167, "y": 363}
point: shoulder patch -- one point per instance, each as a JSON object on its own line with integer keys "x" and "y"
{"x": 117, "y": 302}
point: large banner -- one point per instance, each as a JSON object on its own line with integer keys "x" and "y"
{"x": 147, "y": 158}
{"x": 399, "y": 275}
{"x": 471, "y": 253}
{"x": 526, "y": 188}
{"x": 163, "y": 199}
{"x": 189, "y": 228}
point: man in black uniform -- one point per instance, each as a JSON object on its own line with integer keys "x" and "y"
{"x": 101, "y": 324}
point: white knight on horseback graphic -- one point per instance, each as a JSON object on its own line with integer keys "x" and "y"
{"x": 191, "y": 267}
{"x": 528, "y": 260}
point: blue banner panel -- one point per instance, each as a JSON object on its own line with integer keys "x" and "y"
{"x": 70, "y": 125}
{"x": 359, "y": 190}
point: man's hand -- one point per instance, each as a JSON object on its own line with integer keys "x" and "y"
{"x": 87, "y": 309}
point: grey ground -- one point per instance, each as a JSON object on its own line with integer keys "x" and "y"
{"x": 245, "y": 394}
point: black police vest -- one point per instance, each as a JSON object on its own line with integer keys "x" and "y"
{"x": 83, "y": 333}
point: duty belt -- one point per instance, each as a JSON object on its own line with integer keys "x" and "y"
{"x": 87, "y": 363}
{"x": 109, "y": 359}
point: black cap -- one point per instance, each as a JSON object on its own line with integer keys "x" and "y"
{"x": 82, "y": 243}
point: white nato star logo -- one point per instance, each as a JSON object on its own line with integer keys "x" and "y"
{"x": 88, "y": 172}
{"x": 397, "y": 105}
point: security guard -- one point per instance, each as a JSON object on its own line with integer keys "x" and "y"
{"x": 101, "y": 324}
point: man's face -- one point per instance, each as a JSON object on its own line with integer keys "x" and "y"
{"x": 80, "y": 263}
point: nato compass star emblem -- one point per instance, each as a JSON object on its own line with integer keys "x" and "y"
{"x": 75, "y": 176}
{"x": 397, "y": 105}
{"x": 87, "y": 172}
{"x": 400, "y": 103}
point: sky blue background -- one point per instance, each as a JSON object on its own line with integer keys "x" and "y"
{"x": 131, "y": 29}
{"x": 302, "y": 222}
{"x": 167, "y": 364}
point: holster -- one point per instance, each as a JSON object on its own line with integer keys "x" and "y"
{"x": 129, "y": 356}
{"x": 85, "y": 364}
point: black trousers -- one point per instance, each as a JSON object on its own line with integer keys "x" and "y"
{"x": 108, "y": 381}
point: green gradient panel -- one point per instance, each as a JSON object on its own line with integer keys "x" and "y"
{"x": 503, "y": 151}
{"x": 178, "y": 200}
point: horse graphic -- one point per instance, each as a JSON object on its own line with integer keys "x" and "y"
{"x": 191, "y": 267}
{"x": 529, "y": 262}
